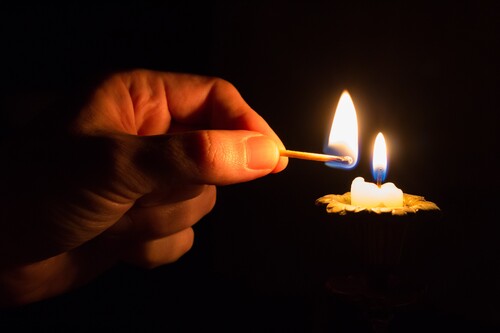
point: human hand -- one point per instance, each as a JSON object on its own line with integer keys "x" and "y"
{"x": 124, "y": 179}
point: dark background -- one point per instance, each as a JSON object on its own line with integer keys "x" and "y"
{"x": 425, "y": 74}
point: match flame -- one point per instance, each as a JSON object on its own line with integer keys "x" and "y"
{"x": 379, "y": 162}
{"x": 343, "y": 139}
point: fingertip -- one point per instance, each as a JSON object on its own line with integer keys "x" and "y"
{"x": 283, "y": 160}
{"x": 262, "y": 153}
{"x": 282, "y": 164}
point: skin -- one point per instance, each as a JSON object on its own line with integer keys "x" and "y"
{"x": 122, "y": 177}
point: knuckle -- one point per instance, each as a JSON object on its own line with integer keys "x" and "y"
{"x": 163, "y": 251}
{"x": 204, "y": 154}
{"x": 212, "y": 197}
{"x": 214, "y": 157}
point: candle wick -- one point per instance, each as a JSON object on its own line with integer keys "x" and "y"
{"x": 379, "y": 177}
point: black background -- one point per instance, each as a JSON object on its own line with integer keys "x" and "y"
{"x": 425, "y": 74}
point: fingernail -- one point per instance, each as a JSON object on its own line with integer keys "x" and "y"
{"x": 262, "y": 153}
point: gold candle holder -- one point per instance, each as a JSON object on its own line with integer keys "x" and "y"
{"x": 387, "y": 251}
{"x": 384, "y": 238}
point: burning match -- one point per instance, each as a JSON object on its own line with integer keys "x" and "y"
{"x": 315, "y": 156}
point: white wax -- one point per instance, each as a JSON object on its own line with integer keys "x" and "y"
{"x": 369, "y": 195}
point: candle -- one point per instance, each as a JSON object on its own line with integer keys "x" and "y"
{"x": 370, "y": 195}
{"x": 376, "y": 197}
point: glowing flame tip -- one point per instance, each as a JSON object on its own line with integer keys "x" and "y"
{"x": 379, "y": 163}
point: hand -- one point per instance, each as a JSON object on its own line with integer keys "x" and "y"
{"x": 124, "y": 179}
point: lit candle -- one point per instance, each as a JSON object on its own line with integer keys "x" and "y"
{"x": 364, "y": 197}
{"x": 370, "y": 195}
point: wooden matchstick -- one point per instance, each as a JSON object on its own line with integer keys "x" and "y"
{"x": 315, "y": 156}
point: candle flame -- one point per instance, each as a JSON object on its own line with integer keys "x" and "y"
{"x": 343, "y": 139}
{"x": 379, "y": 163}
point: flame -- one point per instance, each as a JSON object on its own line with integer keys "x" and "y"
{"x": 379, "y": 163}
{"x": 343, "y": 139}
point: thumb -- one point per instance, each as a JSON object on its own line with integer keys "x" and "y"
{"x": 216, "y": 157}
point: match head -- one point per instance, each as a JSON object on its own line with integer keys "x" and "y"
{"x": 348, "y": 159}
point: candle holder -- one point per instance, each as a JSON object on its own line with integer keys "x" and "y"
{"x": 389, "y": 254}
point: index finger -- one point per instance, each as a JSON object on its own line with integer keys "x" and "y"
{"x": 210, "y": 102}
{"x": 213, "y": 103}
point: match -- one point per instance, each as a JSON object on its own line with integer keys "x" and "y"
{"x": 315, "y": 156}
